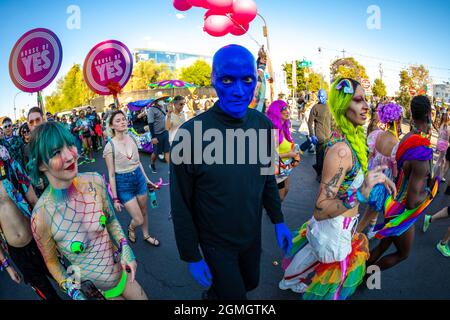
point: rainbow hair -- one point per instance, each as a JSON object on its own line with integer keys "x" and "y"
{"x": 341, "y": 94}
{"x": 45, "y": 140}
{"x": 274, "y": 114}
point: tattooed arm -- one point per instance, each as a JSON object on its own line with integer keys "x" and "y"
{"x": 337, "y": 163}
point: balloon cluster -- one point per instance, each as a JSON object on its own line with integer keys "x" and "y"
{"x": 223, "y": 16}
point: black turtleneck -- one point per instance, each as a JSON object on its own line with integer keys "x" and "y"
{"x": 221, "y": 204}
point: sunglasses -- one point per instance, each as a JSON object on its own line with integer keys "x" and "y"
{"x": 284, "y": 108}
{"x": 7, "y": 126}
{"x": 35, "y": 122}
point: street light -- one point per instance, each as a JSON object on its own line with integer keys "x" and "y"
{"x": 15, "y": 96}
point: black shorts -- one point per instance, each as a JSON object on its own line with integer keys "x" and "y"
{"x": 281, "y": 185}
{"x": 29, "y": 261}
{"x": 447, "y": 155}
{"x": 163, "y": 145}
{"x": 87, "y": 134}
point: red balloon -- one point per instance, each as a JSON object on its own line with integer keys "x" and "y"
{"x": 213, "y": 12}
{"x": 218, "y": 25}
{"x": 224, "y": 6}
{"x": 239, "y": 30}
{"x": 199, "y": 3}
{"x": 244, "y": 11}
{"x": 182, "y": 5}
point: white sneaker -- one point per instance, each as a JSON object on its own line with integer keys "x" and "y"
{"x": 299, "y": 287}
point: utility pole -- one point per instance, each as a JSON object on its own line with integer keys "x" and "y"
{"x": 269, "y": 61}
{"x": 381, "y": 71}
{"x": 343, "y": 53}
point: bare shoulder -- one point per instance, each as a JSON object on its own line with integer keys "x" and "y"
{"x": 339, "y": 154}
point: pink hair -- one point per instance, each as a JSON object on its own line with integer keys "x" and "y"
{"x": 274, "y": 114}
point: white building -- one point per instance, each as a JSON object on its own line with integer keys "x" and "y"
{"x": 442, "y": 91}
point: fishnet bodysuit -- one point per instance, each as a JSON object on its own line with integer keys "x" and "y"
{"x": 64, "y": 217}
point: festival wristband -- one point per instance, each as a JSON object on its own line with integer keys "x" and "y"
{"x": 116, "y": 200}
{"x": 72, "y": 289}
{"x": 123, "y": 242}
{"x": 5, "y": 264}
{"x": 360, "y": 197}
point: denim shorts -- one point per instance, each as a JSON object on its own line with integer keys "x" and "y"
{"x": 130, "y": 185}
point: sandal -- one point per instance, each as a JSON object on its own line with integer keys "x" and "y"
{"x": 153, "y": 241}
{"x": 131, "y": 234}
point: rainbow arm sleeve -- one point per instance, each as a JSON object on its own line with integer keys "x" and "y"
{"x": 40, "y": 226}
{"x": 112, "y": 224}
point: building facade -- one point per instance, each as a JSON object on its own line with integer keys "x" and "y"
{"x": 442, "y": 91}
{"x": 174, "y": 60}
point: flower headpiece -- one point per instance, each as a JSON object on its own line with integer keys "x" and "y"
{"x": 390, "y": 112}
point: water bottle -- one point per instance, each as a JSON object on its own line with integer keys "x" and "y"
{"x": 152, "y": 196}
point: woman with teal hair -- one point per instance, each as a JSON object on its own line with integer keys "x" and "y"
{"x": 75, "y": 218}
{"x": 326, "y": 245}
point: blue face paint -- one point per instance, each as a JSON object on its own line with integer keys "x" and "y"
{"x": 234, "y": 78}
{"x": 322, "y": 96}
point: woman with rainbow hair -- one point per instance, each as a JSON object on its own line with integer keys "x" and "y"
{"x": 326, "y": 245}
{"x": 75, "y": 218}
{"x": 383, "y": 146}
{"x": 289, "y": 158}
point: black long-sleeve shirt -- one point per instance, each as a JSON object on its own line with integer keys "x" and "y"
{"x": 221, "y": 204}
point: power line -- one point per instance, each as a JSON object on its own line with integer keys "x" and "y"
{"x": 385, "y": 59}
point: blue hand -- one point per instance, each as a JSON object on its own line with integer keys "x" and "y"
{"x": 314, "y": 140}
{"x": 284, "y": 237}
{"x": 201, "y": 273}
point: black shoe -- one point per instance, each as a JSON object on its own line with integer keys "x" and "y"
{"x": 153, "y": 167}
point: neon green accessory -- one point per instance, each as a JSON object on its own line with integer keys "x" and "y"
{"x": 444, "y": 249}
{"x": 117, "y": 290}
{"x": 77, "y": 247}
{"x": 426, "y": 223}
{"x": 102, "y": 221}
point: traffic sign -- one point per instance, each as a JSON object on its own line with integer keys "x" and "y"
{"x": 305, "y": 64}
{"x": 365, "y": 83}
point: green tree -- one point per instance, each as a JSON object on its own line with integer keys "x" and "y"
{"x": 348, "y": 68}
{"x": 403, "y": 98}
{"x": 71, "y": 92}
{"x": 420, "y": 76}
{"x": 146, "y": 72}
{"x": 199, "y": 73}
{"x": 307, "y": 79}
{"x": 379, "y": 88}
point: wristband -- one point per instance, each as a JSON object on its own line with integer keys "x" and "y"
{"x": 5, "y": 264}
{"x": 360, "y": 197}
{"x": 116, "y": 200}
{"x": 122, "y": 242}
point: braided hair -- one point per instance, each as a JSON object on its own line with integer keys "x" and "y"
{"x": 339, "y": 101}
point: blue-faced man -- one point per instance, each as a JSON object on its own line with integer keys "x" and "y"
{"x": 217, "y": 206}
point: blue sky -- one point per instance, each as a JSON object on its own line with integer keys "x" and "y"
{"x": 411, "y": 32}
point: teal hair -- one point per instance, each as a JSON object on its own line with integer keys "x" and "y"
{"x": 45, "y": 140}
{"x": 339, "y": 101}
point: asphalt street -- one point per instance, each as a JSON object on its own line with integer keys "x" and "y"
{"x": 424, "y": 275}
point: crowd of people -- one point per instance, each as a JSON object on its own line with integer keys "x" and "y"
{"x": 57, "y": 224}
